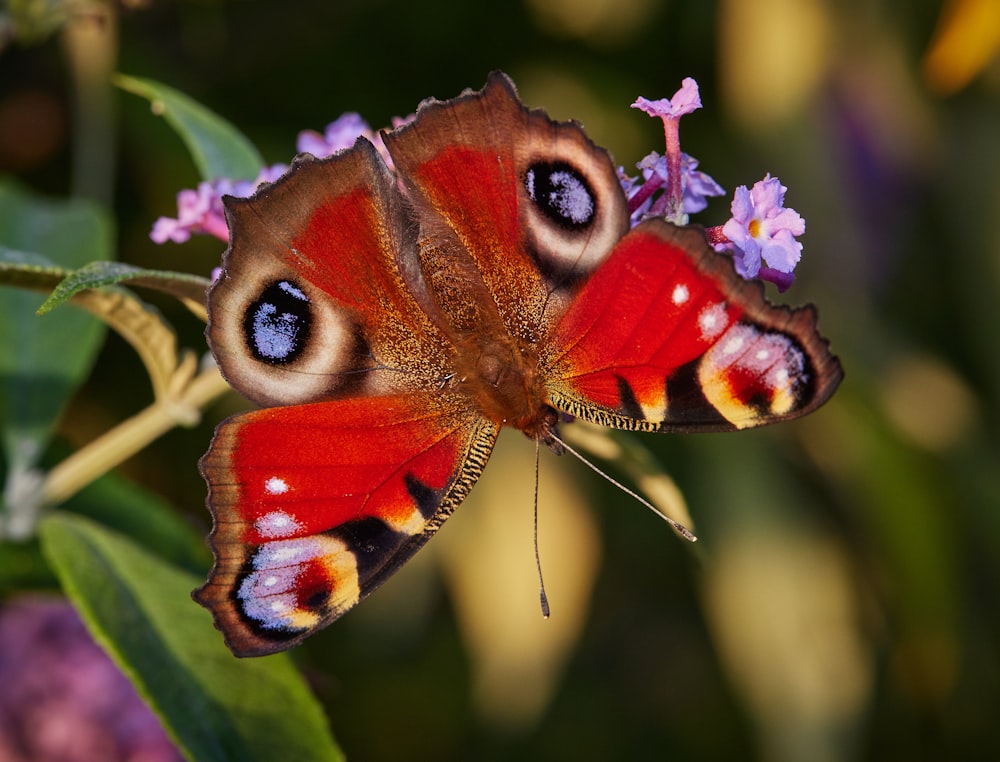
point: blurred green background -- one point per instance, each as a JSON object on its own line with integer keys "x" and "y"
{"x": 842, "y": 601}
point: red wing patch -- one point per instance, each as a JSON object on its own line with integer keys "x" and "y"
{"x": 316, "y": 505}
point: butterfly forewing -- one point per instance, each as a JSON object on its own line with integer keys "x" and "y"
{"x": 318, "y": 297}
{"x": 532, "y": 202}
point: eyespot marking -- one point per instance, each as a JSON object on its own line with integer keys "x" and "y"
{"x": 278, "y": 323}
{"x": 561, "y": 193}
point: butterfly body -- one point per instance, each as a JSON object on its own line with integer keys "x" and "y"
{"x": 393, "y": 320}
{"x": 488, "y": 366}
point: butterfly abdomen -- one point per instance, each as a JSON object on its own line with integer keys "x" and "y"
{"x": 501, "y": 375}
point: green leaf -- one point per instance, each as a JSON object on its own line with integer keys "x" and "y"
{"x": 213, "y": 705}
{"x": 43, "y": 361}
{"x": 139, "y": 323}
{"x": 121, "y": 505}
{"x": 97, "y": 274}
{"x": 27, "y": 270}
{"x": 22, "y": 567}
{"x": 143, "y": 327}
{"x": 217, "y": 147}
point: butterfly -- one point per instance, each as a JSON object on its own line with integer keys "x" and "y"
{"x": 391, "y": 322}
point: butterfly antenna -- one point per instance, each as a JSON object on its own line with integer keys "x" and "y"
{"x": 682, "y": 530}
{"x": 543, "y": 599}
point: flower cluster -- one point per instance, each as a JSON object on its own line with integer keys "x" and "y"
{"x": 200, "y": 210}
{"x": 761, "y": 235}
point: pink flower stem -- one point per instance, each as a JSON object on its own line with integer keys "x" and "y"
{"x": 716, "y": 236}
{"x": 674, "y": 192}
{"x": 648, "y": 189}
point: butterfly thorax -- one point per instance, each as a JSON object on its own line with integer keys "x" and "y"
{"x": 502, "y": 377}
{"x": 496, "y": 363}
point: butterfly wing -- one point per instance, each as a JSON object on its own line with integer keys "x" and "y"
{"x": 316, "y": 505}
{"x": 666, "y": 337}
{"x": 319, "y": 307}
{"x": 534, "y": 203}
{"x": 320, "y": 294}
{"x": 405, "y": 318}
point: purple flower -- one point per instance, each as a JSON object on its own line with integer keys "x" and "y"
{"x": 685, "y": 101}
{"x": 338, "y": 135}
{"x": 650, "y": 199}
{"x": 62, "y": 697}
{"x": 201, "y": 211}
{"x": 671, "y": 204}
{"x": 697, "y": 186}
{"x": 343, "y": 133}
{"x": 762, "y": 232}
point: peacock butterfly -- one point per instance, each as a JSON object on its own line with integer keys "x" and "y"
{"x": 392, "y": 321}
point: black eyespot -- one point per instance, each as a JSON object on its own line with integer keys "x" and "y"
{"x": 562, "y": 193}
{"x": 278, "y": 324}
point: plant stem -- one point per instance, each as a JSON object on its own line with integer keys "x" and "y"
{"x": 130, "y": 436}
{"x": 90, "y": 43}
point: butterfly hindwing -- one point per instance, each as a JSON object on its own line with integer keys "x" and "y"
{"x": 316, "y": 505}
{"x": 666, "y": 337}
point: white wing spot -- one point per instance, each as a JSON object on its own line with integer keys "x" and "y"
{"x": 276, "y": 486}
{"x": 733, "y": 346}
{"x": 276, "y": 524}
{"x": 712, "y": 321}
{"x": 763, "y": 354}
{"x": 291, "y": 290}
{"x": 680, "y": 294}
{"x": 270, "y": 581}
